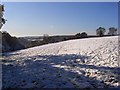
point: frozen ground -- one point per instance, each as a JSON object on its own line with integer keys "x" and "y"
{"x": 81, "y": 63}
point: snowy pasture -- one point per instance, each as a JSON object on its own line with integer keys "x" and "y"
{"x": 80, "y": 63}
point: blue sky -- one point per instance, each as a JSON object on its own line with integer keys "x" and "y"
{"x": 31, "y": 19}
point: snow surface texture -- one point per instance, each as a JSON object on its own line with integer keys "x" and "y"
{"x": 80, "y": 63}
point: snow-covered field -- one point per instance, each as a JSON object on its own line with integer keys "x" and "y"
{"x": 80, "y": 63}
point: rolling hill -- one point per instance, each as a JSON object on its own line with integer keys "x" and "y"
{"x": 79, "y": 63}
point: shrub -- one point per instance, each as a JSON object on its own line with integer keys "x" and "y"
{"x": 83, "y": 35}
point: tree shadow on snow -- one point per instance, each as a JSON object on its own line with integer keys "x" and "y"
{"x": 57, "y": 71}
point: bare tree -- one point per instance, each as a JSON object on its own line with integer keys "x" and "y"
{"x": 112, "y": 31}
{"x": 100, "y": 31}
{"x": 2, "y": 20}
{"x": 46, "y": 38}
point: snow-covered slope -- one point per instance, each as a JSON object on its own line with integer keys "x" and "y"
{"x": 80, "y": 63}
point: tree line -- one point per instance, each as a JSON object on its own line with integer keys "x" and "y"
{"x": 10, "y": 43}
{"x": 100, "y": 32}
